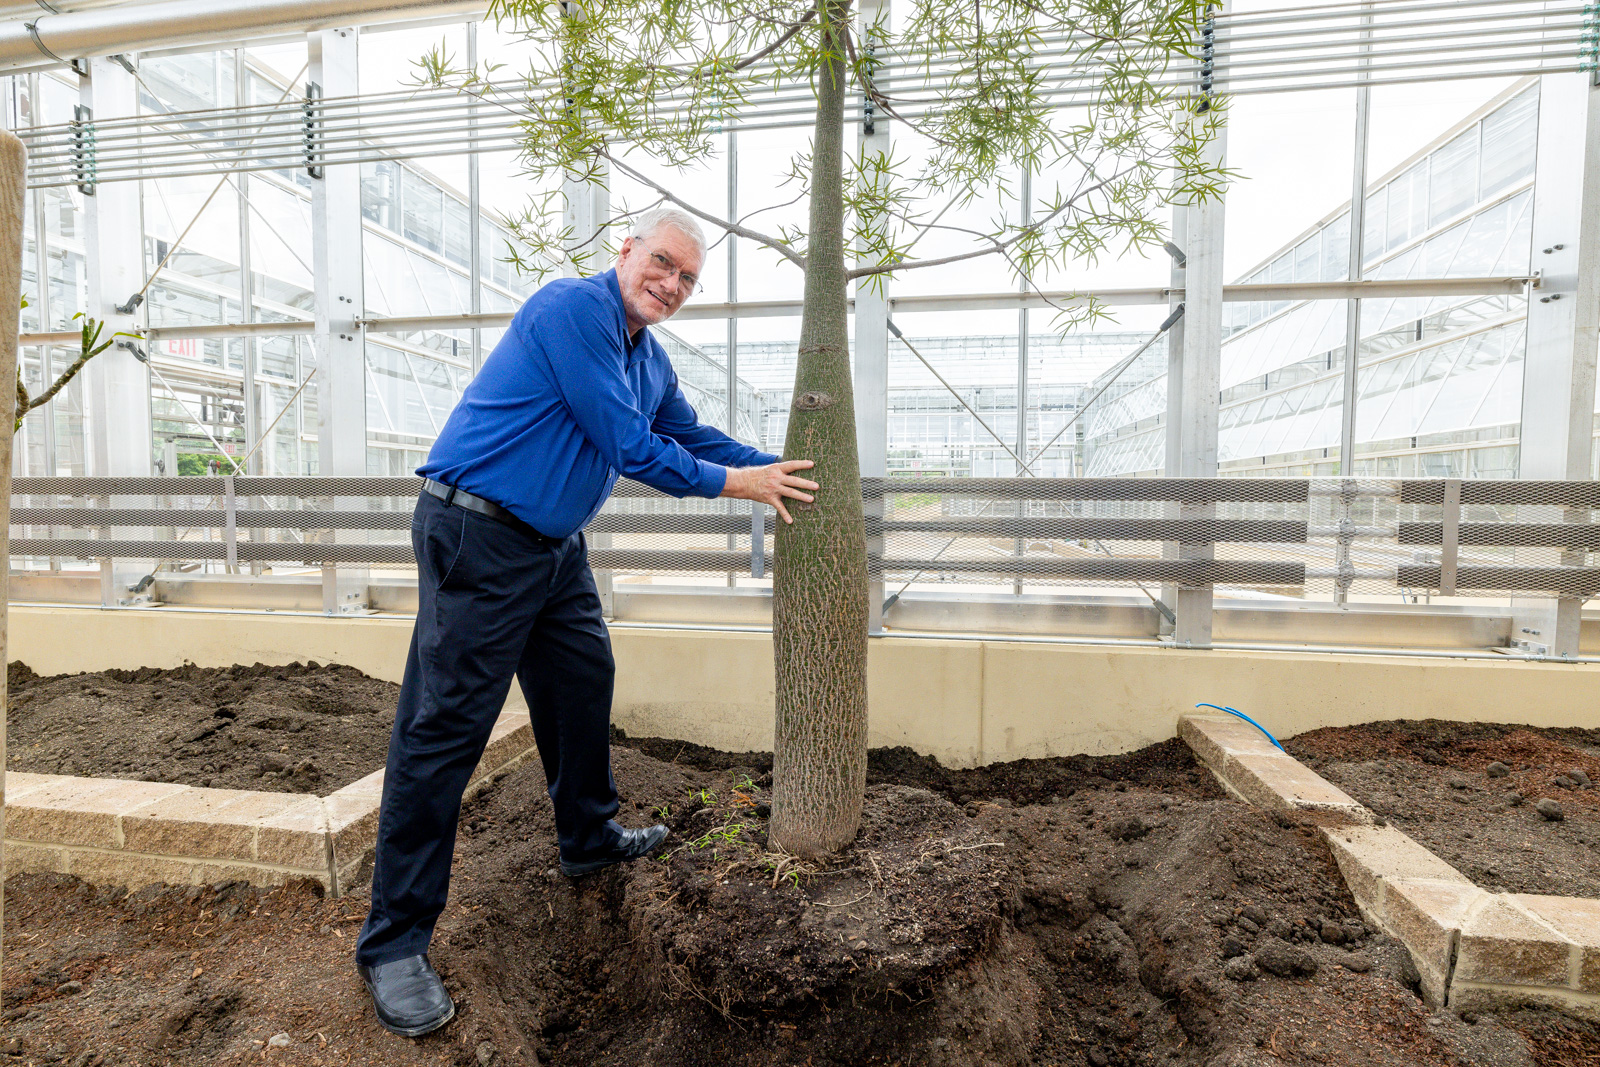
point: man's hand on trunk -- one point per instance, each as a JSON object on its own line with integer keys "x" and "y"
{"x": 770, "y": 484}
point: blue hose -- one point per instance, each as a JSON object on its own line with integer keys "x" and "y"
{"x": 1246, "y": 718}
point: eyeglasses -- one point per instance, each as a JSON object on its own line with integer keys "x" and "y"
{"x": 666, "y": 267}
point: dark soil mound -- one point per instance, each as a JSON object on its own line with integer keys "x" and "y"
{"x": 1114, "y": 927}
{"x": 302, "y": 728}
{"x": 1167, "y": 767}
{"x": 1440, "y": 783}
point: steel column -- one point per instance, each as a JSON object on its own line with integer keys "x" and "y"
{"x": 250, "y": 391}
{"x": 1352, "y": 316}
{"x": 475, "y": 210}
{"x": 871, "y": 370}
{"x": 340, "y": 300}
{"x": 1194, "y": 391}
{"x": 586, "y": 207}
{"x": 41, "y": 273}
{"x": 116, "y": 385}
{"x": 1558, "y": 385}
{"x": 116, "y": 389}
{"x": 1020, "y": 546}
{"x": 1172, "y": 441}
{"x": 757, "y": 539}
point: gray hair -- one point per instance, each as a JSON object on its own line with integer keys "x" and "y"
{"x": 648, "y": 223}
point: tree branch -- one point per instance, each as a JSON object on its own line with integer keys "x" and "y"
{"x": 757, "y": 57}
{"x": 998, "y": 245}
{"x": 25, "y": 404}
{"x": 771, "y": 242}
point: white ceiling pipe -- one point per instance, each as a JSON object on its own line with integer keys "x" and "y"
{"x": 50, "y": 39}
{"x": 32, "y": 8}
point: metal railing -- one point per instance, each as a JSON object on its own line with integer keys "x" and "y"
{"x": 1403, "y": 537}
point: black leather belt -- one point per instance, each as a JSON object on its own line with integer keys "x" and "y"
{"x": 461, "y": 499}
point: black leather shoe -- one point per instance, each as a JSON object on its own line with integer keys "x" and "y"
{"x": 409, "y": 996}
{"x": 630, "y": 846}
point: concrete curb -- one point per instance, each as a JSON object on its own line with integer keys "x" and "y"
{"x": 1473, "y": 949}
{"x": 114, "y": 832}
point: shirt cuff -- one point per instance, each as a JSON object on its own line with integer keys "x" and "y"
{"x": 713, "y": 479}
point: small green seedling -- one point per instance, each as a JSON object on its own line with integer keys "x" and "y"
{"x": 662, "y": 812}
{"x": 726, "y": 834}
{"x": 705, "y": 796}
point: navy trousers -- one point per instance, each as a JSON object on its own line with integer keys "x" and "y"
{"x": 492, "y": 601}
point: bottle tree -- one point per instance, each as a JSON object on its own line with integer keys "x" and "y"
{"x": 1101, "y": 98}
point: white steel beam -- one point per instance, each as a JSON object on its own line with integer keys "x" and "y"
{"x": 117, "y": 386}
{"x": 116, "y": 390}
{"x": 339, "y": 295}
{"x": 50, "y": 40}
{"x": 905, "y": 305}
{"x": 475, "y": 211}
{"x": 871, "y": 362}
{"x": 1172, "y": 442}
{"x": 1558, "y": 384}
{"x": 586, "y": 207}
{"x": 1352, "y": 317}
{"x": 1194, "y": 385}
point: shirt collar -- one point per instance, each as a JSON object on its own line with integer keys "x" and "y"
{"x": 637, "y": 347}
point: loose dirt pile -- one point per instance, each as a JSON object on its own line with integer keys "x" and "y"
{"x": 303, "y": 728}
{"x": 1511, "y": 807}
{"x": 1113, "y": 922}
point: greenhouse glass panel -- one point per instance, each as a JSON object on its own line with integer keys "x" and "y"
{"x": 1439, "y": 252}
{"x": 1453, "y": 177}
{"x": 1374, "y": 227}
{"x": 392, "y": 288}
{"x": 1510, "y": 139}
{"x": 380, "y": 194}
{"x": 457, "y": 232}
{"x": 1336, "y": 249}
{"x": 421, "y": 211}
{"x": 1308, "y": 258}
{"x": 1486, "y": 238}
{"x": 1407, "y": 209}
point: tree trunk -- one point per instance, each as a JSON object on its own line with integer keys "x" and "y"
{"x": 819, "y": 607}
{"x": 12, "y": 166}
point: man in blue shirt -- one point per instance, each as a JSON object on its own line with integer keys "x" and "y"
{"x": 576, "y": 393}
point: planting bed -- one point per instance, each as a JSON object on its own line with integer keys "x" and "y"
{"x": 1111, "y": 911}
{"x": 1471, "y": 793}
{"x": 301, "y": 728}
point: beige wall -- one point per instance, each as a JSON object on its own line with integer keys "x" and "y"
{"x": 966, "y": 702}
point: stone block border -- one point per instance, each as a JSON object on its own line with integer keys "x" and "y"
{"x": 1473, "y": 949}
{"x": 115, "y": 832}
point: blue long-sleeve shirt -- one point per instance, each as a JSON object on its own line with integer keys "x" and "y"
{"x": 565, "y": 403}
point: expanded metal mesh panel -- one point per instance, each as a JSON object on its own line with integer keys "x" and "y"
{"x": 649, "y": 560}
{"x": 1509, "y": 534}
{"x": 1272, "y": 537}
{"x": 1180, "y": 571}
{"x": 1182, "y": 490}
{"x": 196, "y": 518}
{"x": 1496, "y": 491}
{"x": 623, "y": 522}
{"x": 303, "y": 553}
{"x": 1074, "y": 529}
{"x": 210, "y": 485}
{"x": 1571, "y": 581}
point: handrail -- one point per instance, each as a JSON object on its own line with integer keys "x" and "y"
{"x": 898, "y": 508}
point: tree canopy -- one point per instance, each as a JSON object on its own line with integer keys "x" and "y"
{"x": 1101, "y": 97}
